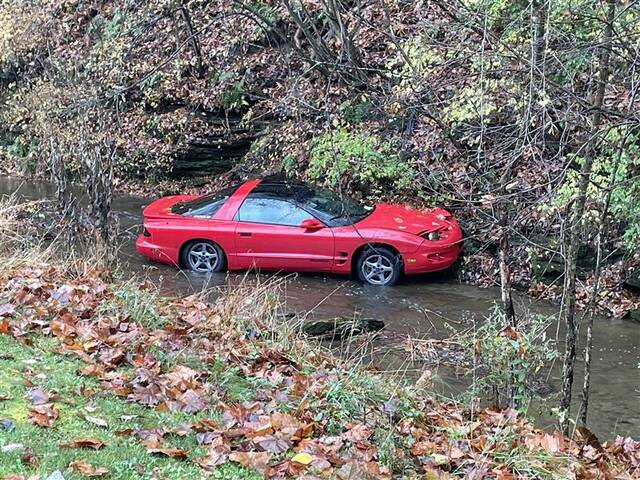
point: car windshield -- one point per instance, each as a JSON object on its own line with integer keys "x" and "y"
{"x": 332, "y": 208}
{"x": 205, "y": 206}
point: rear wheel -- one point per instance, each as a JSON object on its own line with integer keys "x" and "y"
{"x": 379, "y": 266}
{"x": 203, "y": 256}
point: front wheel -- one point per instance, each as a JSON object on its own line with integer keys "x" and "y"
{"x": 203, "y": 256}
{"x": 379, "y": 266}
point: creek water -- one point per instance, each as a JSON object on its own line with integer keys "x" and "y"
{"x": 420, "y": 307}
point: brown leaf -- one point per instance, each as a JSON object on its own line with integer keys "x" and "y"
{"x": 552, "y": 443}
{"x": 178, "y": 453}
{"x": 258, "y": 461}
{"x": 43, "y": 415}
{"x": 88, "y": 442}
{"x": 509, "y": 332}
{"x": 64, "y": 326}
{"x": 93, "y": 370}
{"x": 217, "y": 454}
{"x": 357, "y": 433}
{"x": 6, "y": 310}
{"x": 193, "y": 402}
{"x": 273, "y": 443}
{"x": 88, "y": 470}
{"x": 29, "y": 458}
{"x": 5, "y": 329}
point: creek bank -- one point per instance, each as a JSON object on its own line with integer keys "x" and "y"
{"x": 304, "y": 410}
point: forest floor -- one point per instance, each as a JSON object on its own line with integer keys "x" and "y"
{"x": 107, "y": 378}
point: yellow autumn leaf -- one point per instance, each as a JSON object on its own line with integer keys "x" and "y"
{"x": 303, "y": 458}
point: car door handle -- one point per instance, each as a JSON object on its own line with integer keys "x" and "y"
{"x": 244, "y": 234}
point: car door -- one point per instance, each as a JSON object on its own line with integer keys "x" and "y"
{"x": 269, "y": 236}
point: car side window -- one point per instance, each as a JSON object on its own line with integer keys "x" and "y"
{"x": 271, "y": 211}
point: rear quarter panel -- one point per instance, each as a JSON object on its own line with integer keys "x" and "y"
{"x": 171, "y": 234}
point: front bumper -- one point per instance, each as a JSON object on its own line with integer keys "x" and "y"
{"x": 432, "y": 259}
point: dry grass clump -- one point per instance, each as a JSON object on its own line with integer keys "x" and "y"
{"x": 32, "y": 234}
{"x": 20, "y": 243}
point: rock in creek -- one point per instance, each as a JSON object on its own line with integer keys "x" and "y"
{"x": 340, "y": 327}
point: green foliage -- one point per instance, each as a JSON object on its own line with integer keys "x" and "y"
{"x": 266, "y": 12}
{"x": 500, "y": 14}
{"x": 372, "y": 164}
{"x": 625, "y": 196}
{"x": 355, "y": 113}
{"x": 233, "y": 98}
{"x": 501, "y": 357}
{"x": 21, "y": 151}
{"x": 413, "y": 64}
{"x": 289, "y": 165}
{"x": 137, "y": 304}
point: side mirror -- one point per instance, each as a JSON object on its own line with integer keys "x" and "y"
{"x": 312, "y": 224}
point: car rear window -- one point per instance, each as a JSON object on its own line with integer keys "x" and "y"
{"x": 205, "y": 206}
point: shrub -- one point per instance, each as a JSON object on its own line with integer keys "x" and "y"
{"x": 340, "y": 158}
{"x": 504, "y": 361}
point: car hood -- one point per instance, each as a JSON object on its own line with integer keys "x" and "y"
{"x": 405, "y": 219}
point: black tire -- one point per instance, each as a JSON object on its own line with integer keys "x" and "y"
{"x": 203, "y": 256}
{"x": 379, "y": 266}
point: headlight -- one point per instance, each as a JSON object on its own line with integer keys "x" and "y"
{"x": 433, "y": 235}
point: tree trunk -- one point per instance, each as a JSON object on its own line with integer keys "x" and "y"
{"x": 195, "y": 44}
{"x": 567, "y": 314}
{"x": 602, "y": 228}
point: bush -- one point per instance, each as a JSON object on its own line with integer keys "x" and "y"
{"x": 504, "y": 361}
{"x": 362, "y": 162}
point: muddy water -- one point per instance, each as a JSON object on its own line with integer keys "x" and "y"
{"x": 420, "y": 307}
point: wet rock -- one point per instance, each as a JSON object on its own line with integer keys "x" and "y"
{"x": 632, "y": 281}
{"x": 340, "y": 327}
{"x": 225, "y": 144}
{"x": 633, "y": 315}
{"x": 549, "y": 263}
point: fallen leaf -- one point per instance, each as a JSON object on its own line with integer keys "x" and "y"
{"x": 177, "y": 453}
{"x": 7, "y": 424}
{"x": 38, "y": 396}
{"x": 92, "y": 443}
{"x": 55, "y": 475}
{"x": 43, "y": 415}
{"x": 258, "y": 461}
{"x": 304, "y": 458}
{"x": 6, "y": 310}
{"x": 28, "y": 458}
{"x": 4, "y": 327}
{"x": 12, "y": 447}
{"x": 88, "y": 470}
{"x": 509, "y": 332}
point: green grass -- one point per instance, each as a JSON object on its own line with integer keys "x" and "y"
{"x": 125, "y": 457}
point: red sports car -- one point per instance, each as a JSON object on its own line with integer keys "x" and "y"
{"x": 275, "y": 224}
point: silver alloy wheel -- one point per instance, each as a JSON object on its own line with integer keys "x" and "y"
{"x": 203, "y": 257}
{"x": 377, "y": 269}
